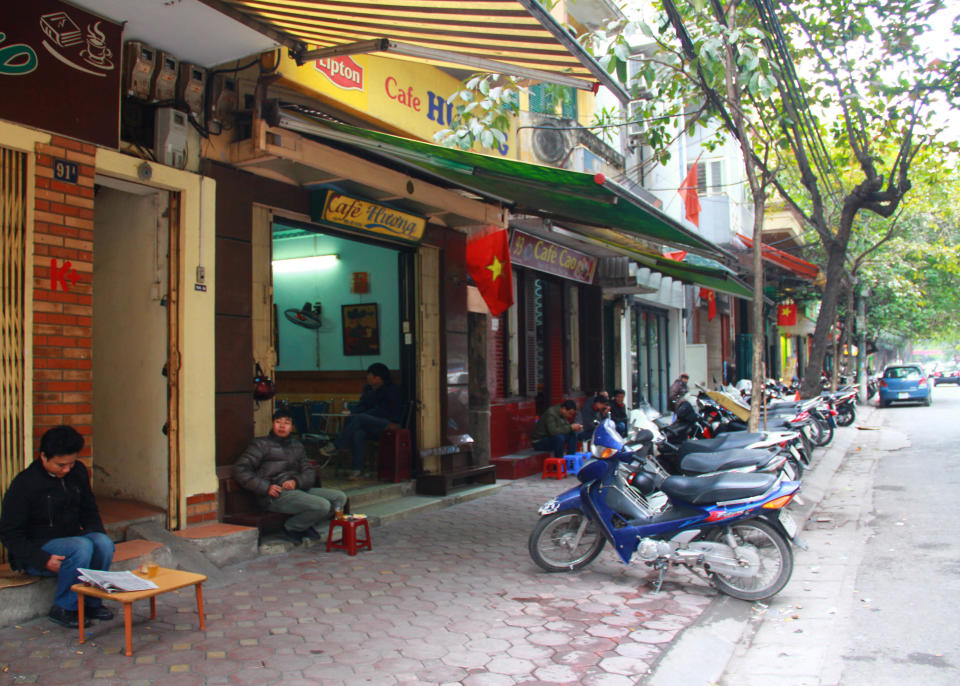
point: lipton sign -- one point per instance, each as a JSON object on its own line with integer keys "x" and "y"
{"x": 367, "y": 216}
{"x": 343, "y": 72}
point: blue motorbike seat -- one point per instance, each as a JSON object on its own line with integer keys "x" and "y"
{"x": 704, "y": 463}
{"x": 725, "y": 441}
{"x": 701, "y": 490}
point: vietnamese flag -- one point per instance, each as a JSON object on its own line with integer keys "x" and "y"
{"x": 488, "y": 262}
{"x": 688, "y": 191}
{"x": 711, "y": 299}
{"x": 787, "y": 315}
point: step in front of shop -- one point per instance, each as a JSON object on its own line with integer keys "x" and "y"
{"x": 519, "y": 465}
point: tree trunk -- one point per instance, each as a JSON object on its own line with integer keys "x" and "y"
{"x": 759, "y": 330}
{"x": 810, "y": 385}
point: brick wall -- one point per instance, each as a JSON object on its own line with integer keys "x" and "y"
{"x": 62, "y": 294}
{"x": 201, "y": 508}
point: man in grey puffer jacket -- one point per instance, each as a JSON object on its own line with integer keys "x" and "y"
{"x": 275, "y": 467}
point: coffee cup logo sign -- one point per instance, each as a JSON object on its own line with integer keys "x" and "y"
{"x": 343, "y": 72}
{"x": 65, "y": 62}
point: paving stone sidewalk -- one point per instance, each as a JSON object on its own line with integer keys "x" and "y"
{"x": 447, "y": 597}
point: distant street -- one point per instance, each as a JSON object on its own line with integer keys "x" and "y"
{"x": 872, "y": 601}
{"x": 904, "y": 629}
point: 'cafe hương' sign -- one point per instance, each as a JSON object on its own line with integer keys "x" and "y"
{"x": 60, "y": 70}
{"x": 544, "y": 256}
{"x": 367, "y": 216}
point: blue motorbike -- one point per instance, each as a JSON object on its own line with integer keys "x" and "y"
{"x": 729, "y": 528}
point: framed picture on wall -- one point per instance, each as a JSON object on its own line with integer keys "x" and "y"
{"x": 361, "y": 329}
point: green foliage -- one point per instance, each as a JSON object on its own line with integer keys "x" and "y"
{"x": 483, "y": 112}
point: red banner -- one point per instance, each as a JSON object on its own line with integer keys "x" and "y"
{"x": 711, "y": 299}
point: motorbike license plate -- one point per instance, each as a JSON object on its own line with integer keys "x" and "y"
{"x": 787, "y": 522}
{"x": 903, "y": 395}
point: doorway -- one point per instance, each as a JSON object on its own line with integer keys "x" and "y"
{"x": 132, "y": 306}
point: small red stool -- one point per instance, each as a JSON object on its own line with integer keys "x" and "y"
{"x": 349, "y": 540}
{"x": 554, "y": 468}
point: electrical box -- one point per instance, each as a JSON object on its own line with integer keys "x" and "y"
{"x": 170, "y": 137}
{"x": 223, "y": 97}
{"x": 164, "y": 86}
{"x": 191, "y": 88}
{"x": 139, "y": 64}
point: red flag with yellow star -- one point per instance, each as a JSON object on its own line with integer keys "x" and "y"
{"x": 488, "y": 262}
{"x": 787, "y": 315}
{"x": 711, "y": 299}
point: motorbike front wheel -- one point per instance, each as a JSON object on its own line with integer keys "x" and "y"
{"x": 552, "y": 542}
{"x": 825, "y": 435}
{"x": 776, "y": 561}
{"x": 846, "y": 415}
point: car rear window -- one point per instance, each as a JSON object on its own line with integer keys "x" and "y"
{"x": 903, "y": 373}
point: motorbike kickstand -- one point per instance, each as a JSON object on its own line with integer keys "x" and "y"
{"x": 661, "y": 565}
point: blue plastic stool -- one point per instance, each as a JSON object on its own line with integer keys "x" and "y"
{"x": 575, "y": 462}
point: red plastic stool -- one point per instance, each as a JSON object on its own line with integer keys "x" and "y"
{"x": 554, "y": 468}
{"x": 349, "y": 540}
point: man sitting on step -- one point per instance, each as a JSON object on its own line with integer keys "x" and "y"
{"x": 556, "y": 431}
{"x": 275, "y": 467}
{"x": 51, "y": 526}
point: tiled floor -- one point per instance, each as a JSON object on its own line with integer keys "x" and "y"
{"x": 449, "y": 596}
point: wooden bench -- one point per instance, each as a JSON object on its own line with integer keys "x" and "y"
{"x": 239, "y": 506}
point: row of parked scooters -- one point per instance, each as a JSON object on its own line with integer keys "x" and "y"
{"x": 695, "y": 489}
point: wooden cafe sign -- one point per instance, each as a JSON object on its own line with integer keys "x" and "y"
{"x": 60, "y": 70}
{"x": 542, "y": 255}
{"x": 370, "y": 217}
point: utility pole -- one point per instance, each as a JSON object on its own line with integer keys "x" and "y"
{"x": 864, "y": 293}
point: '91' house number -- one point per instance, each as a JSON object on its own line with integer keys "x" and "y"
{"x": 65, "y": 171}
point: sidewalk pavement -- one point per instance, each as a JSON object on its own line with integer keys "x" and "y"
{"x": 785, "y": 642}
{"x": 447, "y": 597}
{"x": 450, "y": 596}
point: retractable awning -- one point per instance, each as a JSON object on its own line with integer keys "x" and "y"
{"x": 557, "y": 194}
{"x": 784, "y": 260}
{"x": 518, "y": 37}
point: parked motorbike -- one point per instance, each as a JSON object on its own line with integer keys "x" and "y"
{"x": 844, "y": 401}
{"x": 730, "y": 528}
{"x": 675, "y": 451}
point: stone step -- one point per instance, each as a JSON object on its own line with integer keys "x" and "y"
{"x": 519, "y": 465}
{"x": 384, "y": 511}
{"x": 365, "y": 496}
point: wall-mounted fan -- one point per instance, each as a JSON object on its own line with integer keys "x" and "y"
{"x": 307, "y": 316}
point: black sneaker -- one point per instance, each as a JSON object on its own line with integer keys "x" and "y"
{"x": 67, "y": 618}
{"x": 295, "y": 537}
{"x": 311, "y": 534}
{"x": 99, "y": 612}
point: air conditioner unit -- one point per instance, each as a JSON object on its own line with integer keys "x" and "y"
{"x": 170, "y": 137}
{"x": 551, "y": 143}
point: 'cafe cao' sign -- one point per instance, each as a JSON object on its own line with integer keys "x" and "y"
{"x": 367, "y": 216}
{"x": 544, "y": 256}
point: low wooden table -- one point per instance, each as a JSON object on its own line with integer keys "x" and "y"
{"x": 166, "y": 580}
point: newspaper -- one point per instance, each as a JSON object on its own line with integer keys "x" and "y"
{"x": 115, "y": 582}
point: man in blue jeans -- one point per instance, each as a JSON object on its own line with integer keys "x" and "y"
{"x": 556, "y": 431}
{"x": 51, "y": 526}
{"x": 380, "y": 407}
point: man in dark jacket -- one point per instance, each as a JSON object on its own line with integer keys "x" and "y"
{"x": 380, "y": 406}
{"x": 275, "y": 467}
{"x": 592, "y": 415}
{"x": 51, "y": 526}
{"x": 678, "y": 390}
{"x": 618, "y": 411}
{"x": 556, "y": 431}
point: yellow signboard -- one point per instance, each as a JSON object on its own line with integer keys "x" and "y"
{"x": 367, "y": 216}
{"x": 407, "y": 97}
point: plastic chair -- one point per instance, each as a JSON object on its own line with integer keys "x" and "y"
{"x": 350, "y": 542}
{"x": 554, "y": 468}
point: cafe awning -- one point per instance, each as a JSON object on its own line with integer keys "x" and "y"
{"x": 518, "y": 37}
{"x": 573, "y": 198}
{"x": 784, "y": 260}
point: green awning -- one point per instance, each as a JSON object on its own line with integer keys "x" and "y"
{"x": 716, "y": 279}
{"x": 525, "y": 188}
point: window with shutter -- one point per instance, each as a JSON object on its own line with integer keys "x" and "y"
{"x": 716, "y": 176}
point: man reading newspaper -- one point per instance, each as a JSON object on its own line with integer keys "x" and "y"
{"x": 50, "y": 524}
